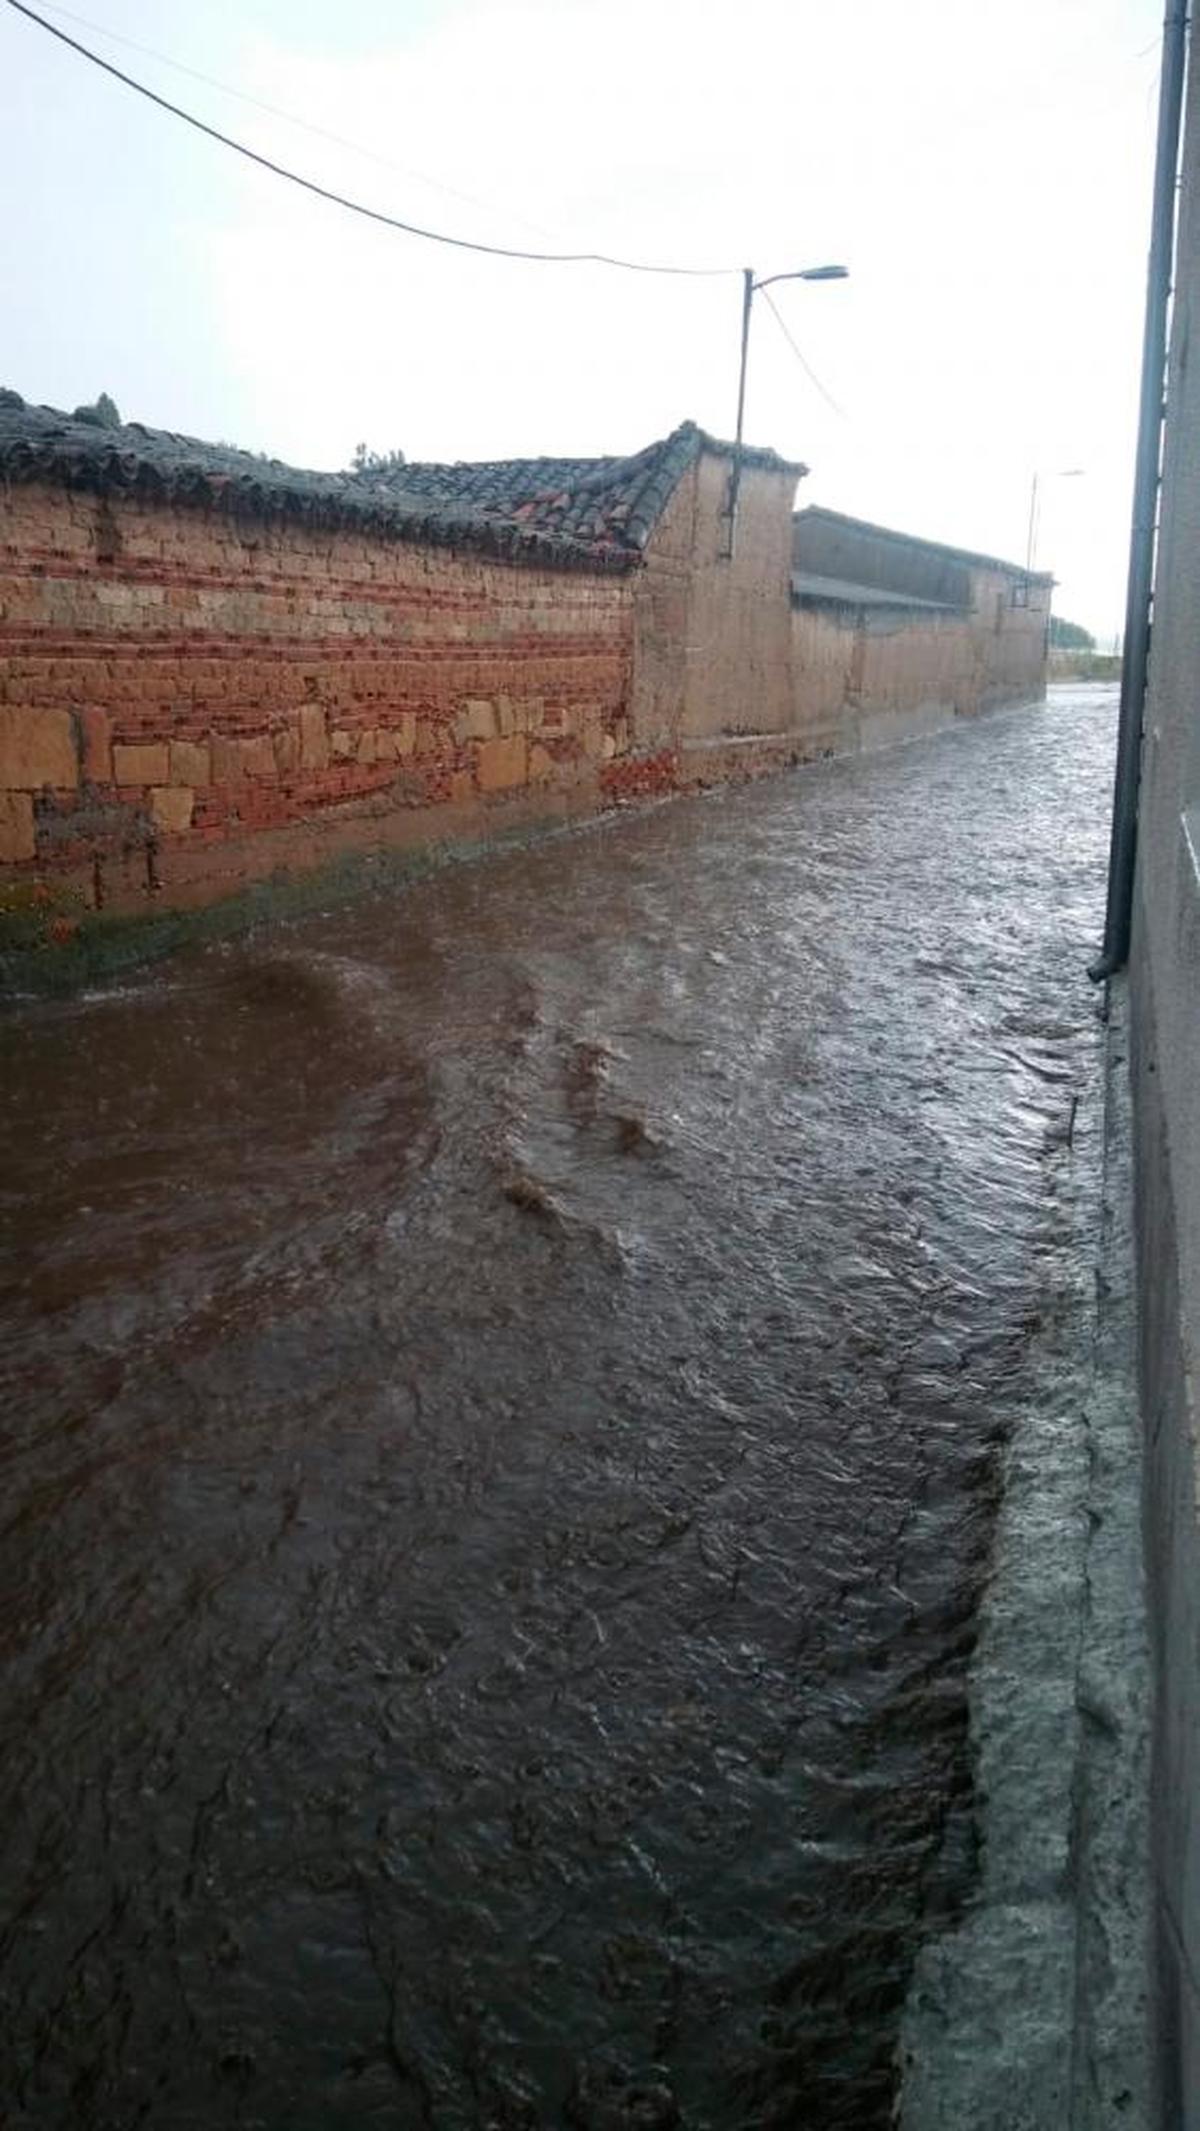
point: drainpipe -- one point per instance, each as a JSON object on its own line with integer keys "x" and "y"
{"x": 1140, "y": 586}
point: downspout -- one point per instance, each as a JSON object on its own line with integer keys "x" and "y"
{"x": 1140, "y": 585}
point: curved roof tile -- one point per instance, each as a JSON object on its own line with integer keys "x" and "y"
{"x": 588, "y": 514}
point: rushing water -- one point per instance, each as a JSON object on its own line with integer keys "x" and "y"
{"x": 500, "y": 1421}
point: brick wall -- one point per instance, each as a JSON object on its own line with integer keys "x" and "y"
{"x": 187, "y": 699}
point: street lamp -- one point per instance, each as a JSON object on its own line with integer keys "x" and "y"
{"x": 749, "y": 288}
{"x": 1062, "y": 473}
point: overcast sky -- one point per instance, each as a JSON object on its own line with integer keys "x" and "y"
{"x": 982, "y": 169}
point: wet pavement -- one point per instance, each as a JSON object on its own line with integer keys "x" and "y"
{"x": 501, "y": 1420}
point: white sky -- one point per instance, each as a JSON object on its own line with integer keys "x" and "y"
{"x": 983, "y": 169}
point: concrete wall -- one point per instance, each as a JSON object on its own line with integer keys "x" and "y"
{"x": 1165, "y": 986}
{"x": 187, "y": 700}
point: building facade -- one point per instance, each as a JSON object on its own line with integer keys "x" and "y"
{"x": 1164, "y": 975}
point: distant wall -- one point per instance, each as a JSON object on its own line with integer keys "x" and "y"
{"x": 870, "y": 555}
{"x": 864, "y": 674}
{"x": 1083, "y": 666}
{"x": 187, "y": 699}
{"x": 1165, "y": 986}
{"x": 1008, "y": 638}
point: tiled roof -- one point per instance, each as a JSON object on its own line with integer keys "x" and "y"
{"x": 591, "y": 514}
{"x": 613, "y": 501}
{"x": 817, "y": 514}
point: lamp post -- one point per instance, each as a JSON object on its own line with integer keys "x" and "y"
{"x": 1062, "y": 473}
{"x": 750, "y": 286}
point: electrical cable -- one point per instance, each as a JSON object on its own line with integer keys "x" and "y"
{"x": 803, "y": 361}
{"x": 289, "y": 118}
{"x": 356, "y": 207}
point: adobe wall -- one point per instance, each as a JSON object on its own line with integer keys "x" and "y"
{"x": 864, "y": 676}
{"x": 713, "y": 630}
{"x": 1008, "y": 641}
{"x": 189, "y": 700}
{"x": 824, "y": 654}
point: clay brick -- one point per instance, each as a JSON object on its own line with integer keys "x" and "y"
{"x": 189, "y": 762}
{"x": 142, "y": 763}
{"x": 171, "y": 808}
{"x": 541, "y": 764}
{"x": 314, "y": 739}
{"x": 501, "y": 764}
{"x": 16, "y": 826}
{"x": 37, "y": 747}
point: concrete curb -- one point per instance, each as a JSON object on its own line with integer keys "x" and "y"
{"x": 1033, "y": 2013}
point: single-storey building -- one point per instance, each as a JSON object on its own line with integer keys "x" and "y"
{"x": 892, "y": 634}
{"x": 214, "y": 666}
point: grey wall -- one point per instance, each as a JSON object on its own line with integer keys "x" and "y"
{"x": 1165, "y": 985}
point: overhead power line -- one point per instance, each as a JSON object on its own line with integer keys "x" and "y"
{"x": 802, "y": 359}
{"x": 356, "y": 207}
{"x": 289, "y": 118}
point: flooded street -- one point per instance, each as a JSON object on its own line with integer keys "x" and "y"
{"x": 503, "y": 1393}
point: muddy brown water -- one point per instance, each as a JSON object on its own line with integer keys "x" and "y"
{"x": 502, "y": 1396}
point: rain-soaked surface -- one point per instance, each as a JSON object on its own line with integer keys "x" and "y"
{"x": 500, "y": 1436}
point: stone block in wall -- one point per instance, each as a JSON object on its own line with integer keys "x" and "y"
{"x": 343, "y": 744}
{"x": 502, "y": 764}
{"x": 314, "y": 738}
{"x": 477, "y": 720}
{"x": 596, "y": 742}
{"x": 95, "y": 732}
{"x": 189, "y": 762}
{"x": 541, "y": 764}
{"x": 171, "y": 808}
{"x": 257, "y": 756}
{"x": 394, "y": 742}
{"x": 16, "y": 825}
{"x": 37, "y": 747}
{"x": 226, "y": 759}
{"x": 285, "y": 741}
{"x": 141, "y": 762}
